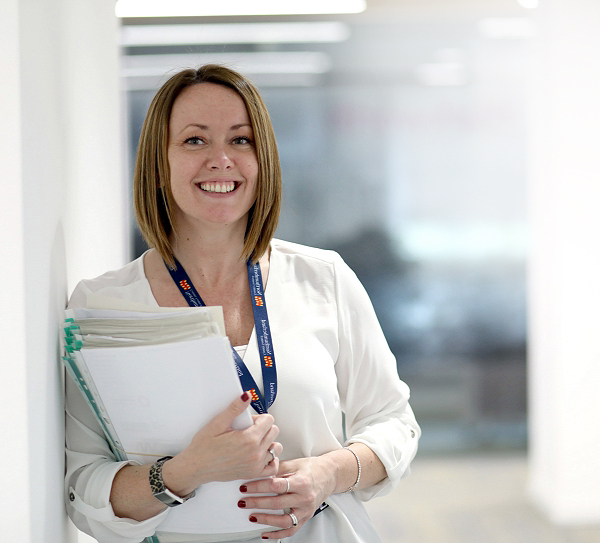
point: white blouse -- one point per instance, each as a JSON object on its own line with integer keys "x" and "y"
{"x": 332, "y": 360}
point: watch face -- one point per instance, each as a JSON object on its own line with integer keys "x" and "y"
{"x": 168, "y": 498}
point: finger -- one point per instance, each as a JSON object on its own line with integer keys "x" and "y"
{"x": 222, "y": 422}
{"x": 275, "y": 485}
{"x": 269, "y": 502}
{"x": 270, "y": 469}
{"x": 270, "y": 455}
{"x": 269, "y": 437}
{"x": 296, "y": 524}
{"x": 273, "y": 452}
{"x": 278, "y": 448}
{"x": 261, "y": 427}
{"x": 257, "y": 433}
{"x": 284, "y": 522}
{"x": 264, "y": 423}
{"x": 280, "y": 534}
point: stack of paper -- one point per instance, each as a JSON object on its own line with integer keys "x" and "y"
{"x": 154, "y": 377}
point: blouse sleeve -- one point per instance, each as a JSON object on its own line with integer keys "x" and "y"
{"x": 374, "y": 400}
{"x": 91, "y": 468}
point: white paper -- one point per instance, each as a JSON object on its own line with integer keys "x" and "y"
{"x": 157, "y": 397}
{"x": 97, "y": 301}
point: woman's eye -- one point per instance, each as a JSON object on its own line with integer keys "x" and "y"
{"x": 242, "y": 140}
{"x": 194, "y": 140}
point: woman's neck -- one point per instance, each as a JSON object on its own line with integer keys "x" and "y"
{"x": 213, "y": 257}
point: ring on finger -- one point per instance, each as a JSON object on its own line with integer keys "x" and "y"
{"x": 272, "y": 451}
{"x": 294, "y": 520}
{"x": 288, "y": 486}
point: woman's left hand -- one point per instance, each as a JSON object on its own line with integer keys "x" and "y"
{"x": 301, "y": 486}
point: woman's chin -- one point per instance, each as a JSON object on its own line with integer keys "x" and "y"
{"x": 213, "y": 221}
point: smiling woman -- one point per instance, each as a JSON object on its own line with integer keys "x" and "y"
{"x": 212, "y": 160}
{"x": 333, "y": 424}
{"x": 153, "y": 197}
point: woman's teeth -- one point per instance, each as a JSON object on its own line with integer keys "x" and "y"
{"x": 226, "y": 186}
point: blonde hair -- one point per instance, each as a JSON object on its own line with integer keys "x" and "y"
{"x": 153, "y": 199}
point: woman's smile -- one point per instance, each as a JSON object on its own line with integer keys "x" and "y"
{"x": 218, "y": 187}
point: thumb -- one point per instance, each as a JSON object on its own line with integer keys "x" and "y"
{"x": 222, "y": 422}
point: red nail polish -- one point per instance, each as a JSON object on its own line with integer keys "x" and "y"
{"x": 242, "y": 503}
{"x": 245, "y": 397}
{"x": 243, "y": 488}
{"x": 252, "y": 519}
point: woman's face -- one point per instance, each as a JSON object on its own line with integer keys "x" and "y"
{"x": 212, "y": 158}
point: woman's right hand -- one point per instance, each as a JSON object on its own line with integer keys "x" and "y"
{"x": 219, "y": 453}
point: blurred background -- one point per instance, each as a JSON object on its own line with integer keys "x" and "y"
{"x": 403, "y": 145}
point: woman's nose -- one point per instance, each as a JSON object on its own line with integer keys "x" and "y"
{"x": 219, "y": 159}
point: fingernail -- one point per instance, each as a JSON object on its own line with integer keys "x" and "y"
{"x": 245, "y": 397}
{"x": 252, "y": 518}
{"x": 243, "y": 488}
{"x": 242, "y": 503}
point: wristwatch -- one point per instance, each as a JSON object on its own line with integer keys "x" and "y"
{"x": 159, "y": 490}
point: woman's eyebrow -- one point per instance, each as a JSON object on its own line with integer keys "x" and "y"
{"x": 200, "y": 126}
{"x": 206, "y": 127}
{"x": 238, "y": 126}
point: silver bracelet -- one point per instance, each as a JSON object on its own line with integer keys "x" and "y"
{"x": 359, "y": 470}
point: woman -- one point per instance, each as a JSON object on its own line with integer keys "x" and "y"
{"x": 207, "y": 194}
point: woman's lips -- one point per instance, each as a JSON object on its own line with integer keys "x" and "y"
{"x": 220, "y": 187}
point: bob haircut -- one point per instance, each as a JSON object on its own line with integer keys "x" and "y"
{"x": 153, "y": 199}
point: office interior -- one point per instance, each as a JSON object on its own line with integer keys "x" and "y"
{"x": 446, "y": 149}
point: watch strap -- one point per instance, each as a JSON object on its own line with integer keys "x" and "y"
{"x": 159, "y": 490}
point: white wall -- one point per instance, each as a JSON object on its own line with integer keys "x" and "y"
{"x": 564, "y": 273}
{"x": 62, "y": 216}
{"x": 13, "y": 399}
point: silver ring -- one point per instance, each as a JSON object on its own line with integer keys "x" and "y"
{"x": 294, "y": 520}
{"x": 288, "y": 486}
{"x": 272, "y": 451}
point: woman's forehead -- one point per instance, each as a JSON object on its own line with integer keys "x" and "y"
{"x": 206, "y": 104}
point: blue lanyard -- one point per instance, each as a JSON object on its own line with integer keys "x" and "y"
{"x": 263, "y": 334}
